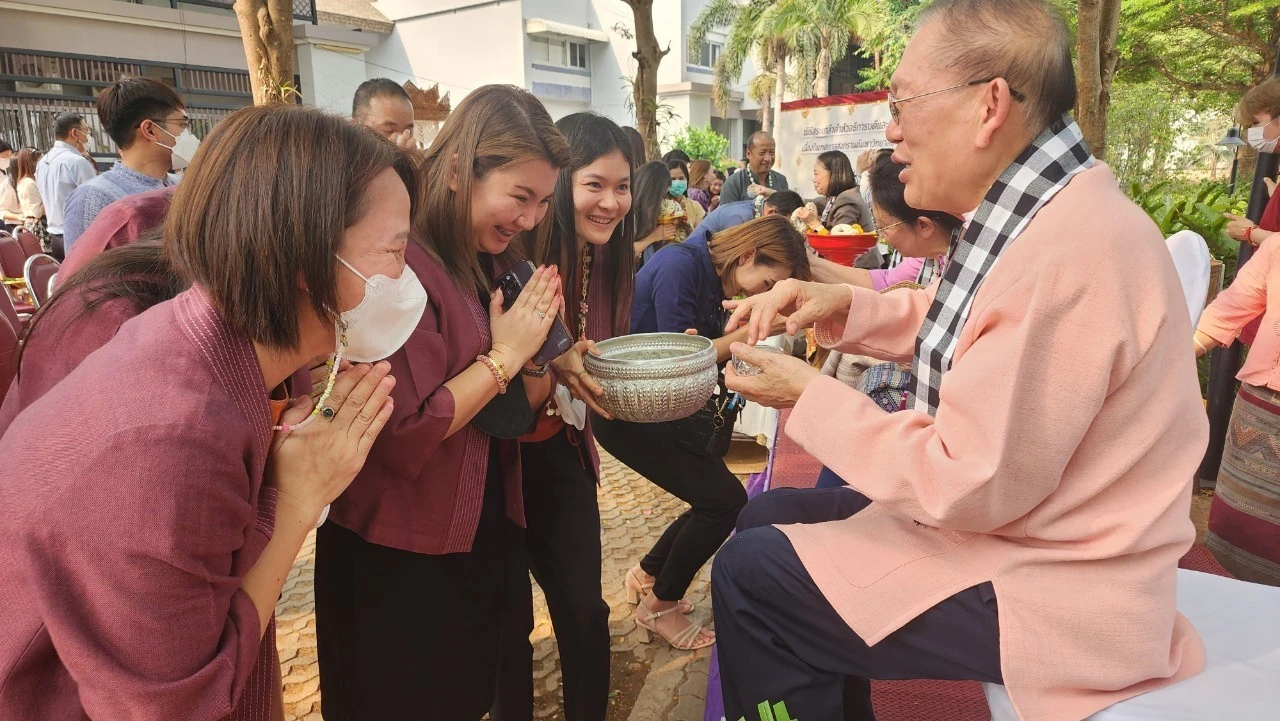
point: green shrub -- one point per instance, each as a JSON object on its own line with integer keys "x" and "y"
{"x": 701, "y": 143}
{"x": 1198, "y": 208}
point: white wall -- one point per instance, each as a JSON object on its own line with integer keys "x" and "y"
{"x": 460, "y": 48}
{"x": 329, "y": 77}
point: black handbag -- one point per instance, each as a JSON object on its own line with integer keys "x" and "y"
{"x": 709, "y": 430}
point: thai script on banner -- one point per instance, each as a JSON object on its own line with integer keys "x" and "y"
{"x": 808, "y": 128}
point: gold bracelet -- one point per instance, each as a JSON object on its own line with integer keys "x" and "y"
{"x": 1203, "y": 350}
{"x": 498, "y": 370}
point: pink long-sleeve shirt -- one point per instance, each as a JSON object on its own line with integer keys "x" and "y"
{"x": 1059, "y": 464}
{"x": 1246, "y": 299}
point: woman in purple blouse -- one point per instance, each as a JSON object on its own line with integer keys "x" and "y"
{"x": 152, "y": 515}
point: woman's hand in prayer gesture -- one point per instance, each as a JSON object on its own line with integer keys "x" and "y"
{"x": 780, "y": 382}
{"x": 803, "y": 303}
{"x": 519, "y": 332}
{"x": 312, "y": 466}
{"x": 573, "y": 375}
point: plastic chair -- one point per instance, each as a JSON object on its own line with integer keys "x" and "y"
{"x": 29, "y": 242}
{"x": 12, "y": 256}
{"x": 8, "y": 354}
{"x": 1191, "y": 259}
{"x": 39, "y": 272}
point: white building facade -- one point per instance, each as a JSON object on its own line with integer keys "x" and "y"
{"x": 574, "y": 55}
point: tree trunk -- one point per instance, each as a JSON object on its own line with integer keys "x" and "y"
{"x": 780, "y": 80}
{"x": 1099, "y": 21}
{"x": 766, "y": 114}
{"x": 266, "y": 28}
{"x": 648, "y": 55}
{"x": 822, "y": 74}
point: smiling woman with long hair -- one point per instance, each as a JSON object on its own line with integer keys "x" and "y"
{"x": 411, "y": 570}
{"x": 588, "y": 235}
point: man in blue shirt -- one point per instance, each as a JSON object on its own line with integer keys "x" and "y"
{"x": 149, "y": 125}
{"x": 784, "y": 202}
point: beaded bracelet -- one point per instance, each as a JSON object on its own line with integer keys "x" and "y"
{"x": 499, "y": 372}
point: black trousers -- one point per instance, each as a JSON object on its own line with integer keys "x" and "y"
{"x": 781, "y": 642}
{"x": 57, "y": 248}
{"x": 714, "y": 494}
{"x": 562, "y": 548}
{"x": 407, "y": 636}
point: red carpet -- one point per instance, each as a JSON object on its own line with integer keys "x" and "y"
{"x": 921, "y": 700}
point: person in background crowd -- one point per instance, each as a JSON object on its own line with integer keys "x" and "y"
{"x": 1259, "y": 113}
{"x": 714, "y": 188}
{"x": 679, "y": 173}
{"x": 757, "y": 176}
{"x": 841, "y": 203}
{"x": 676, "y": 154}
{"x": 920, "y": 238}
{"x": 863, "y": 168}
{"x": 384, "y": 107}
{"x": 1244, "y": 534}
{"x": 588, "y": 235}
{"x": 650, "y": 186}
{"x": 178, "y": 522}
{"x": 840, "y": 200}
{"x": 31, "y": 214}
{"x": 637, "y": 144}
{"x": 412, "y": 569}
{"x": 61, "y": 171}
{"x": 782, "y": 203}
{"x": 148, "y": 123}
{"x": 680, "y": 290}
{"x": 10, "y": 209}
{"x": 121, "y": 223}
{"x": 700, "y": 183}
{"x": 1025, "y": 528}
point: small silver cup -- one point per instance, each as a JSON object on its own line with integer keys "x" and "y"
{"x": 743, "y": 368}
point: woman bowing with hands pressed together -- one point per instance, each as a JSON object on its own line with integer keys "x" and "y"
{"x": 147, "y": 562}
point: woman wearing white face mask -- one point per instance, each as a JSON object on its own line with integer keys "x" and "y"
{"x": 1259, "y": 112}
{"x": 194, "y": 480}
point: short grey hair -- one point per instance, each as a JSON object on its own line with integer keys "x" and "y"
{"x": 757, "y": 137}
{"x": 1026, "y": 42}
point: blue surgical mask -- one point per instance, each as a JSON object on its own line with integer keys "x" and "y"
{"x": 678, "y": 187}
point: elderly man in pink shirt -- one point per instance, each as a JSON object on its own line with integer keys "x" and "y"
{"x": 1029, "y": 508}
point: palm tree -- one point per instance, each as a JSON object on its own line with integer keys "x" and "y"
{"x": 746, "y": 39}
{"x": 824, "y": 23}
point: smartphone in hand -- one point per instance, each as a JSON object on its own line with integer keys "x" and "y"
{"x": 559, "y": 339}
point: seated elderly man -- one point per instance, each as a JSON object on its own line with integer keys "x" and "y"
{"x": 1029, "y": 508}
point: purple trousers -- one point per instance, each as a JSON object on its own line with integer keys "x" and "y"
{"x": 784, "y": 651}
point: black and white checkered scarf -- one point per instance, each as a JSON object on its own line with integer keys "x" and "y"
{"x": 1044, "y": 168}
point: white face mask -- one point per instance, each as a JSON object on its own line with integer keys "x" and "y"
{"x": 386, "y": 317}
{"x": 1259, "y": 143}
{"x": 184, "y": 147}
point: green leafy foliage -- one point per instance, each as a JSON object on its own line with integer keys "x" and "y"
{"x": 1201, "y": 209}
{"x": 701, "y": 143}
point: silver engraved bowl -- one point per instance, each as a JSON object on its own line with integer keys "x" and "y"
{"x": 654, "y": 377}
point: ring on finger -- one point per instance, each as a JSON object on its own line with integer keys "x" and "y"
{"x": 540, "y": 313}
{"x": 328, "y": 413}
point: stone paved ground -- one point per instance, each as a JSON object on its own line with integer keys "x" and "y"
{"x": 633, "y": 513}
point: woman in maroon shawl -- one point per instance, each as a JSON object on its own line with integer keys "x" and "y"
{"x": 411, "y": 569}
{"x": 151, "y": 517}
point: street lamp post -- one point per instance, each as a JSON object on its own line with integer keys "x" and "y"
{"x": 1232, "y": 140}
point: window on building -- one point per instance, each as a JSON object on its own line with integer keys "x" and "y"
{"x": 560, "y": 52}
{"x": 710, "y": 54}
{"x": 578, "y": 55}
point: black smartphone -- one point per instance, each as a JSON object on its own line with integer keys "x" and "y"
{"x": 559, "y": 339}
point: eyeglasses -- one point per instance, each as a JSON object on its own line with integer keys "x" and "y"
{"x": 896, "y": 113}
{"x": 183, "y": 122}
{"x": 880, "y": 231}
